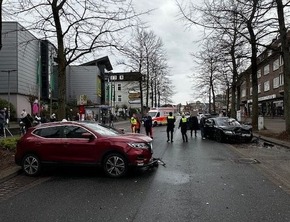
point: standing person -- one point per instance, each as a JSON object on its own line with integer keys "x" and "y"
{"x": 133, "y": 122}
{"x": 27, "y": 121}
{"x": 202, "y": 123}
{"x": 193, "y": 124}
{"x": 170, "y": 126}
{"x": 138, "y": 125}
{"x": 111, "y": 119}
{"x": 53, "y": 118}
{"x": 183, "y": 125}
{"x": 2, "y": 122}
{"x": 148, "y": 125}
{"x": 6, "y": 115}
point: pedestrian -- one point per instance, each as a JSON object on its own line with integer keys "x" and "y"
{"x": 111, "y": 119}
{"x": 37, "y": 119}
{"x": 53, "y": 118}
{"x": 2, "y": 122}
{"x": 201, "y": 125}
{"x": 193, "y": 124}
{"x": 138, "y": 125}
{"x": 23, "y": 113}
{"x": 148, "y": 125}
{"x": 6, "y": 115}
{"x": 134, "y": 123}
{"x": 183, "y": 124}
{"x": 27, "y": 120}
{"x": 170, "y": 126}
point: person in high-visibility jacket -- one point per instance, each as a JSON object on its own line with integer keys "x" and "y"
{"x": 183, "y": 124}
{"x": 170, "y": 126}
{"x": 134, "y": 123}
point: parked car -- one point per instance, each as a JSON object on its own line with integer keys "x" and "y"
{"x": 225, "y": 129}
{"x": 82, "y": 143}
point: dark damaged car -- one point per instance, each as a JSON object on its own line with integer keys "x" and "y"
{"x": 224, "y": 129}
{"x": 82, "y": 143}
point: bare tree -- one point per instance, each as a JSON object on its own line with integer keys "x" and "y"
{"x": 145, "y": 53}
{"x": 248, "y": 20}
{"x": 77, "y": 29}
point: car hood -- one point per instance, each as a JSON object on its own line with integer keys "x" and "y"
{"x": 132, "y": 137}
{"x": 234, "y": 128}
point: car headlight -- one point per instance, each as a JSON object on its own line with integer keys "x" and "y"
{"x": 139, "y": 145}
{"x": 228, "y": 132}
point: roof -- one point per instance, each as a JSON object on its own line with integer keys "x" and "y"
{"x": 126, "y": 76}
{"x": 101, "y": 61}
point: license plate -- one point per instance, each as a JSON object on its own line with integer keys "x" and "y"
{"x": 246, "y": 135}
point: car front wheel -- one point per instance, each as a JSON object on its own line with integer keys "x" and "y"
{"x": 31, "y": 165}
{"x": 115, "y": 165}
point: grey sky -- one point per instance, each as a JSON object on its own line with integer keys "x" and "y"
{"x": 178, "y": 41}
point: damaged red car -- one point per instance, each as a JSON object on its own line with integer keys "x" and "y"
{"x": 82, "y": 143}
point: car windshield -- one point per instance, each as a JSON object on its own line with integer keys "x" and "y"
{"x": 227, "y": 122}
{"x": 152, "y": 114}
{"x": 103, "y": 130}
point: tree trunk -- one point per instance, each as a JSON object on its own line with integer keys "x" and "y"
{"x": 61, "y": 59}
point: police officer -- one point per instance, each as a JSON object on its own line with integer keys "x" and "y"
{"x": 183, "y": 125}
{"x": 170, "y": 126}
{"x": 133, "y": 121}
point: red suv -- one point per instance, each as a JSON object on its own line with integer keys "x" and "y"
{"x": 82, "y": 143}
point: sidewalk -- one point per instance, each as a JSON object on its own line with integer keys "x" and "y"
{"x": 272, "y": 128}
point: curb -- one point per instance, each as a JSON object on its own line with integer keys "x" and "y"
{"x": 272, "y": 140}
{"x": 9, "y": 173}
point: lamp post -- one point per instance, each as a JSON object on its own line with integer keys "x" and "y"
{"x": 8, "y": 73}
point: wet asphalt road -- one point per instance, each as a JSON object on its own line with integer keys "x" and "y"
{"x": 202, "y": 181}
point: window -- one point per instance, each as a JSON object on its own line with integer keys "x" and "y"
{"x": 119, "y": 87}
{"x": 49, "y": 132}
{"x": 281, "y": 80}
{"x": 266, "y": 86}
{"x": 266, "y": 69}
{"x": 281, "y": 60}
{"x": 119, "y": 98}
{"x": 243, "y": 92}
{"x": 121, "y": 77}
{"x": 251, "y": 91}
{"x": 73, "y": 132}
{"x": 113, "y": 77}
{"x": 259, "y": 88}
{"x": 276, "y": 82}
{"x": 276, "y": 64}
{"x": 258, "y": 73}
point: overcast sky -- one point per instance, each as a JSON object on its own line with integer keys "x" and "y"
{"x": 178, "y": 42}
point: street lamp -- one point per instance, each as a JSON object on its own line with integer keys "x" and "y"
{"x": 8, "y": 73}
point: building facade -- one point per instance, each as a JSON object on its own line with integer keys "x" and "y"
{"x": 28, "y": 70}
{"x": 123, "y": 91}
{"x": 19, "y": 66}
{"x": 270, "y": 84}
